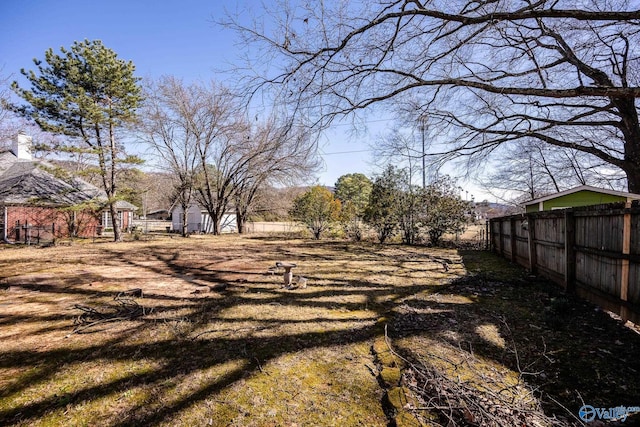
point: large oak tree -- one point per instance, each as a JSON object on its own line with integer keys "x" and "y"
{"x": 488, "y": 72}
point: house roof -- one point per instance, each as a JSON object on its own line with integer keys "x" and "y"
{"x": 229, "y": 211}
{"x": 123, "y": 205}
{"x": 25, "y": 181}
{"x": 584, "y": 188}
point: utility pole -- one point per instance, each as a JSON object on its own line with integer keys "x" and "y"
{"x": 423, "y": 126}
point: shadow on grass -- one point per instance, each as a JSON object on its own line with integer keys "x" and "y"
{"x": 575, "y": 350}
{"x": 566, "y": 349}
{"x": 205, "y": 343}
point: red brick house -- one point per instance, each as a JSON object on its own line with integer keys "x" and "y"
{"x": 37, "y": 202}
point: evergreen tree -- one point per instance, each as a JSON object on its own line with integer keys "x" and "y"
{"x": 443, "y": 210}
{"x": 353, "y": 191}
{"x": 87, "y": 94}
{"x": 382, "y": 212}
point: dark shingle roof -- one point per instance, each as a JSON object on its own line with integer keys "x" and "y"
{"x": 34, "y": 182}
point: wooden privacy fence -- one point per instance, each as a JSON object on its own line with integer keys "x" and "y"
{"x": 593, "y": 251}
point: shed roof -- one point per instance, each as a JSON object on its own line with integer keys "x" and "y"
{"x": 624, "y": 194}
{"x": 123, "y": 205}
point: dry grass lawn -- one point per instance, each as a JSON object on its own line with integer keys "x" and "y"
{"x": 252, "y": 353}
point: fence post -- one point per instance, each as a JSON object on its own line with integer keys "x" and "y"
{"x": 487, "y": 237}
{"x": 492, "y": 243}
{"x": 500, "y": 237}
{"x": 512, "y": 239}
{"x": 533, "y": 258}
{"x": 569, "y": 251}
{"x": 626, "y": 250}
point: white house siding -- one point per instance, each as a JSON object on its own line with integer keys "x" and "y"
{"x": 199, "y": 221}
{"x": 195, "y": 220}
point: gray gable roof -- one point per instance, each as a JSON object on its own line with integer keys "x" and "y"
{"x": 34, "y": 182}
{"x": 123, "y": 205}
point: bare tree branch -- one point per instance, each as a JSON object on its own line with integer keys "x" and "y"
{"x": 494, "y": 72}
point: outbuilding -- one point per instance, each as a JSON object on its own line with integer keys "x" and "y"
{"x": 199, "y": 220}
{"x": 584, "y": 195}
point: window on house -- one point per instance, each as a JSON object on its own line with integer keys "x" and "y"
{"x": 106, "y": 219}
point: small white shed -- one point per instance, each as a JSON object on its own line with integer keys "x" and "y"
{"x": 199, "y": 220}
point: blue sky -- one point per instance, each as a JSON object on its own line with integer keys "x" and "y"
{"x": 160, "y": 37}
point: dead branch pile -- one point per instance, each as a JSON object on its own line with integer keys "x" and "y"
{"x": 467, "y": 396}
{"x": 125, "y": 308}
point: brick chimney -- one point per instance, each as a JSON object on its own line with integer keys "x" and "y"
{"x": 22, "y": 146}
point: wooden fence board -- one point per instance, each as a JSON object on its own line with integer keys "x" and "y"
{"x": 635, "y": 235}
{"x": 551, "y": 258}
{"x": 634, "y": 284}
{"x": 602, "y": 273}
{"x": 522, "y": 251}
{"x": 594, "y": 251}
{"x": 550, "y": 244}
{"x": 506, "y": 239}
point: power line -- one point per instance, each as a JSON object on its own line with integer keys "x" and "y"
{"x": 364, "y": 122}
{"x": 345, "y": 152}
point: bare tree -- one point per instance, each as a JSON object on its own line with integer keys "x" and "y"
{"x": 168, "y": 118}
{"x": 4, "y": 104}
{"x": 219, "y": 158}
{"x": 397, "y": 147}
{"x": 219, "y": 150}
{"x": 195, "y": 130}
{"x": 492, "y": 72}
{"x": 275, "y": 153}
{"x": 274, "y": 203}
{"x": 408, "y": 147}
{"x": 10, "y": 122}
{"x": 151, "y": 190}
{"x": 523, "y": 175}
{"x": 535, "y": 169}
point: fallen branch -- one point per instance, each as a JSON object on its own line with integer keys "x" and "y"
{"x": 468, "y": 402}
{"x": 125, "y": 309}
{"x": 462, "y": 393}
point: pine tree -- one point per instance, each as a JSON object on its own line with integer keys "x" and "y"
{"x": 87, "y": 94}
